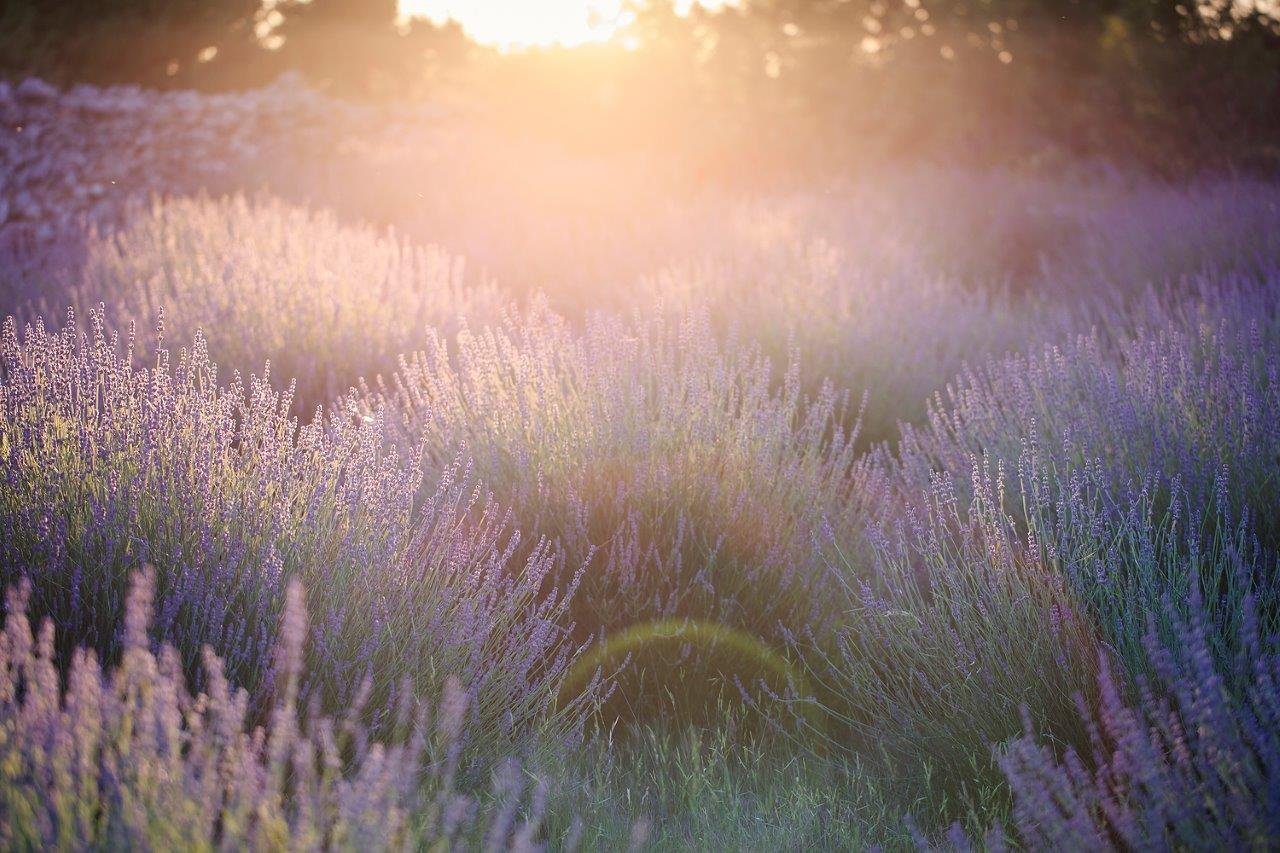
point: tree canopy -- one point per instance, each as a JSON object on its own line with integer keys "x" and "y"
{"x": 1165, "y": 82}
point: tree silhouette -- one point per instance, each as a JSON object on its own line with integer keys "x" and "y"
{"x": 119, "y": 41}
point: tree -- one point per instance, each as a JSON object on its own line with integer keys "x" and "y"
{"x": 119, "y": 41}
{"x": 1169, "y": 82}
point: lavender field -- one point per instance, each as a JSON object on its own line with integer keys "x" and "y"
{"x": 349, "y": 500}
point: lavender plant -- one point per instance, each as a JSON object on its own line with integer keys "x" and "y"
{"x": 107, "y": 466}
{"x": 264, "y": 281}
{"x": 663, "y": 459}
{"x": 957, "y": 625}
{"x": 894, "y": 335}
{"x": 1183, "y": 761}
{"x": 1133, "y": 235}
{"x": 130, "y": 757}
{"x": 1172, "y": 406}
{"x": 1188, "y": 403}
{"x": 974, "y": 619}
{"x": 1138, "y": 478}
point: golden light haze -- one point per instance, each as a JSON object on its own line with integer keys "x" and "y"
{"x": 515, "y": 24}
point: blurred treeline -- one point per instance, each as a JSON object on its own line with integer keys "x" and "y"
{"x": 766, "y": 89}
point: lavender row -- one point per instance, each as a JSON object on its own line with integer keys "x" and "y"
{"x": 129, "y": 756}
{"x": 107, "y": 466}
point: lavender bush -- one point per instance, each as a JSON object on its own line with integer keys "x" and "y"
{"x": 129, "y": 757}
{"x": 1182, "y": 761}
{"x": 895, "y": 336}
{"x": 663, "y": 459}
{"x": 107, "y": 466}
{"x": 923, "y": 229}
{"x": 1168, "y": 747}
{"x": 1105, "y": 479}
{"x": 264, "y": 281}
{"x": 958, "y": 626}
{"x": 1046, "y": 602}
{"x": 1188, "y": 402}
{"x": 1136, "y": 235}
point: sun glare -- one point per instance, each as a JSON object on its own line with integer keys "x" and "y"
{"x": 516, "y": 24}
{"x": 513, "y": 24}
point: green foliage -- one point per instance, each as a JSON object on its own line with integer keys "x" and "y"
{"x": 709, "y": 789}
{"x": 767, "y": 90}
{"x": 1168, "y": 85}
{"x": 120, "y": 41}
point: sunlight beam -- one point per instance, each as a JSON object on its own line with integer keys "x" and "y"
{"x": 517, "y": 24}
{"x": 512, "y": 25}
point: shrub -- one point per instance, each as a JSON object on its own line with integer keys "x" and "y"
{"x": 1185, "y": 761}
{"x": 266, "y": 282}
{"x": 958, "y": 623}
{"x": 130, "y": 758}
{"x": 1134, "y": 235}
{"x": 664, "y": 459}
{"x": 1140, "y": 476}
{"x": 106, "y": 466}
{"x": 894, "y": 284}
{"x": 1189, "y": 405}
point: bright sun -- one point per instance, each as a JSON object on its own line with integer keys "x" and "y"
{"x": 513, "y": 24}
{"x": 526, "y": 23}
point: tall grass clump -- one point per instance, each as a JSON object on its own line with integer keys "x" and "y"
{"x": 684, "y": 473}
{"x": 107, "y": 465}
{"x": 716, "y": 789}
{"x": 129, "y": 756}
{"x": 325, "y": 303}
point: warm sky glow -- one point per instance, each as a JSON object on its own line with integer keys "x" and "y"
{"x": 530, "y": 23}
